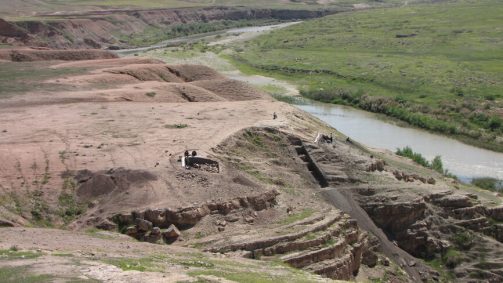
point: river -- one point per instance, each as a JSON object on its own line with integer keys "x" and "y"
{"x": 462, "y": 160}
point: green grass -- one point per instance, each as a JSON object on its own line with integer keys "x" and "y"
{"x": 20, "y": 274}
{"x": 69, "y": 207}
{"x": 436, "y": 164}
{"x": 307, "y": 212}
{"x": 488, "y": 183}
{"x": 447, "y": 77}
{"x": 20, "y": 77}
{"x": 13, "y": 253}
{"x": 152, "y": 34}
{"x": 138, "y": 264}
{"x": 445, "y": 263}
{"x": 176, "y": 126}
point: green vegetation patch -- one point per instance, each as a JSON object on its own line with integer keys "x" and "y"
{"x": 20, "y": 274}
{"x": 307, "y": 212}
{"x": 176, "y": 126}
{"x": 152, "y": 34}
{"x": 138, "y": 264}
{"x": 69, "y": 207}
{"x": 436, "y": 164}
{"x": 13, "y": 253}
{"x": 435, "y": 66}
{"x": 21, "y": 77}
{"x": 252, "y": 277}
{"x": 488, "y": 183}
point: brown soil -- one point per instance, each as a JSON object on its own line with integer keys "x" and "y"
{"x": 111, "y": 149}
{"x": 106, "y": 28}
{"x": 24, "y": 55}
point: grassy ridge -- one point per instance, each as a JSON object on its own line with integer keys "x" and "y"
{"x": 435, "y": 66}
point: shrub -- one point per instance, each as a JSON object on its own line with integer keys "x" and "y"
{"x": 415, "y": 156}
{"x": 463, "y": 240}
{"x": 488, "y": 183}
{"x": 437, "y": 164}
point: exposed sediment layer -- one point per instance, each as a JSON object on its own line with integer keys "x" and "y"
{"x": 108, "y": 28}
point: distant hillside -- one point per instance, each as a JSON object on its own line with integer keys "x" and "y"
{"x": 33, "y": 7}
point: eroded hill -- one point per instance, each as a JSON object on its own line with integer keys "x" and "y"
{"x": 100, "y": 144}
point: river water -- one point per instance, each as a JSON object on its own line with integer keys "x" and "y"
{"x": 463, "y": 160}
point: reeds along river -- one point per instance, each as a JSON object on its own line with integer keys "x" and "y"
{"x": 462, "y": 160}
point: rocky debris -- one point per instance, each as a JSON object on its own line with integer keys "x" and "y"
{"x": 453, "y": 201}
{"x": 366, "y": 191}
{"x": 377, "y": 165}
{"x": 402, "y": 176}
{"x": 144, "y": 231}
{"x": 143, "y": 225}
{"x": 336, "y": 251}
{"x": 395, "y": 216}
{"x": 165, "y": 218}
{"x": 369, "y": 258}
{"x": 496, "y": 232}
{"x": 172, "y": 233}
{"x": 203, "y": 164}
{"x": 256, "y": 244}
{"x": 495, "y": 213}
{"x": 464, "y": 213}
{"x": 154, "y": 235}
{"x": 476, "y": 224}
{"x": 407, "y": 223}
{"x": 106, "y": 224}
{"x": 231, "y": 218}
{"x": 6, "y": 223}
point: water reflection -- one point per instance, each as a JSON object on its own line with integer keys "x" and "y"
{"x": 463, "y": 160}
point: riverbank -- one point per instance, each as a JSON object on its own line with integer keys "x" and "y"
{"x": 373, "y": 130}
{"x": 434, "y": 70}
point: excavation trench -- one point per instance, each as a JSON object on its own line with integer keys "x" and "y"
{"x": 343, "y": 199}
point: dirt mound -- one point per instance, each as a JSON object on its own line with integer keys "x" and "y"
{"x": 108, "y": 63}
{"x": 163, "y": 92}
{"x": 105, "y": 79}
{"x": 9, "y": 30}
{"x": 148, "y": 72}
{"x": 191, "y": 73}
{"x": 192, "y": 93}
{"x": 230, "y": 89}
{"x": 104, "y": 182}
{"x": 26, "y": 55}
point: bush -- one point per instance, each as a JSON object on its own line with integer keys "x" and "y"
{"x": 415, "y": 156}
{"x": 463, "y": 240}
{"x": 488, "y": 183}
{"x": 437, "y": 164}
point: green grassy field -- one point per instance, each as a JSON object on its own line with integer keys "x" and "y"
{"x": 435, "y": 66}
{"x": 20, "y": 77}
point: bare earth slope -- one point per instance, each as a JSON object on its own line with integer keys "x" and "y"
{"x": 100, "y": 144}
